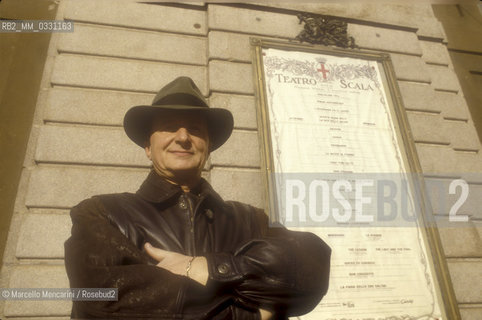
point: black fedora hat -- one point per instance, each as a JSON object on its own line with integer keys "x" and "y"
{"x": 180, "y": 94}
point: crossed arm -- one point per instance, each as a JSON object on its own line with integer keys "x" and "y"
{"x": 98, "y": 255}
{"x": 177, "y": 263}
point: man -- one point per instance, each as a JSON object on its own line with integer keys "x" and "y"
{"x": 175, "y": 249}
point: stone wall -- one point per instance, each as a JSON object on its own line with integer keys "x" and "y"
{"x": 120, "y": 55}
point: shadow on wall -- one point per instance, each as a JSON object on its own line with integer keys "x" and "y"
{"x": 22, "y": 59}
{"x": 463, "y": 26}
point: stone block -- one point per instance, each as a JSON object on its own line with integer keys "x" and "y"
{"x": 443, "y": 159}
{"x": 478, "y": 227}
{"x": 468, "y": 162}
{"x": 443, "y": 78}
{"x": 11, "y": 234}
{"x": 385, "y": 39}
{"x": 229, "y": 46}
{"x": 65, "y": 186}
{"x": 49, "y": 211}
{"x": 135, "y": 44}
{"x": 435, "y": 52}
{"x": 419, "y": 97}
{"x": 473, "y": 204}
{"x": 242, "y": 107}
{"x": 453, "y": 105}
{"x": 244, "y": 185}
{"x": 401, "y": 14}
{"x": 445, "y": 203}
{"x": 471, "y": 313}
{"x": 121, "y": 74}
{"x": 411, "y": 68}
{"x": 473, "y": 177}
{"x": 252, "y": 21}
{"x": 91, "y": 106}
{"x": 461, "y": 240}
{"x": 241, "y": 150}
{"x": 428, "y": 128}
{"x": 462, "y": 135}
{"x": 231, "y": 77}
{"x": 42, "y": 236}
{"x": 38, "y": 276}
{"x": 88, "y": 145}
{"x": 430, "y": 156}
{"x": 137, "y": 15}
{"x": 469, "y": 61}
{"x": 430, "y": 27}
{"x": 467, "y": 280}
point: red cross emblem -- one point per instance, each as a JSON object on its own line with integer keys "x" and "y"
{"x": 323, "y": 70}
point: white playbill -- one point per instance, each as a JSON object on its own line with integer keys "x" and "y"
{"x": 329, "y": 114}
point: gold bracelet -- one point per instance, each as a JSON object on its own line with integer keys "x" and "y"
{"x": 189, "y": 265}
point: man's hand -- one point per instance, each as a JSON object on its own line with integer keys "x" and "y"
{"x": 177, "y": 263}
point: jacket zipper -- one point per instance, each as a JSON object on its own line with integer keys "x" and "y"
{"x": 191, "y": 220}
{"x": 192, "y": 217}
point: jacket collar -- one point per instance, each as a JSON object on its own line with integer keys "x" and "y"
{"x": 156, "y": 189}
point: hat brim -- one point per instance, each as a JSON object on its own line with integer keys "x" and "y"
{"x": 138, "y": 122}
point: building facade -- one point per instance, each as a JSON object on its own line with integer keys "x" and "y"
{"x": 122, "y": 52}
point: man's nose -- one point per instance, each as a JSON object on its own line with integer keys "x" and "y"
{"x": 182, "y": 134}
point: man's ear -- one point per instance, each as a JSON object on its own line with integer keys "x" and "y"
{"x": 147, "y": 149}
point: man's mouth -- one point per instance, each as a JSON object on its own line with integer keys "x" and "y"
{"x": 181, "y": 153}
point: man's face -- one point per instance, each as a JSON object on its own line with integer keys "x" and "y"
{"x": 179, "y": 145}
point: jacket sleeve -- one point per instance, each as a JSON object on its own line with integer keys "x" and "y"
{"x": 97, "y": 255}
{"x": 283, "y": 271}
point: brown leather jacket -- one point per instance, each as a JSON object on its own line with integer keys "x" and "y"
{"x": 251, "y": 266}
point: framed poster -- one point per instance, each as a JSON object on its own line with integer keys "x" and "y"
{"x": 339, "y": 161}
